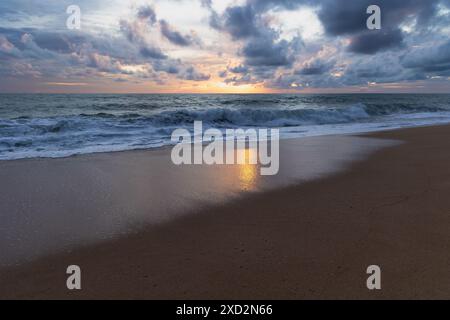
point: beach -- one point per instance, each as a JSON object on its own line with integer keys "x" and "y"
{"x": 235, "y": 150}
{"x": 384, "y": 202}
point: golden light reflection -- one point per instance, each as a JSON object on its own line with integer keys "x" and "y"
{"x": 248, "y": 173}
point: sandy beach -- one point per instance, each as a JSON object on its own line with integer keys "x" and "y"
{"x": 309, "y": 240}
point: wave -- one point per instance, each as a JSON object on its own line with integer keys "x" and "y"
{"x": 221, "y": 117}
{"x": 271, "y": 117}
{"x": 123, "y": 129}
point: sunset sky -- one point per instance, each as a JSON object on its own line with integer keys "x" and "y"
{"x": 230, "y": 46}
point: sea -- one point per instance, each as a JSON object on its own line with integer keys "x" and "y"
{"x": 61, "y": 125}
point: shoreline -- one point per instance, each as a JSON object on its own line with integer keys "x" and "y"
{"x": 312, "y": 240}
{"x": 286, "y": 135}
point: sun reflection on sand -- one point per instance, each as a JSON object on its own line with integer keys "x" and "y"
{"x": 248, "y": 173}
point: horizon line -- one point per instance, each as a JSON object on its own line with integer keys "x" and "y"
{"x": 223, "y": 93}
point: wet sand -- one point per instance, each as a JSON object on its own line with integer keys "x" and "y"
{"x": 51, "y": 205}
{"x": 305, "y": 241}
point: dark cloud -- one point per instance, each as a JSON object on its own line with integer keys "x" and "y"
{"x": 435, "y": 59}
{"x": 168, "y": 66}
{"x": 372, "y": 41}
{"x": 266, "y": 52}
{"x": 262, "y": 46}
{"x": 241, "y": 22}
{"x": 154, "y": 53}
{"x": 174, "y": 36}
{"x": 339, "y": 17}
{"x": 147, "y": 13}
{"x": 54, "y": 42}
{"x": 214, "y": 21}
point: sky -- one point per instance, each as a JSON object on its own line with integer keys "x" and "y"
{"x": 224, "y": 46}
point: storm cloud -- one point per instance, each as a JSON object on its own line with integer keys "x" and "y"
{"x": 370, "y": 42}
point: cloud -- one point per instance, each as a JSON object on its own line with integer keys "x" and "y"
{"x": 241, "y": 22}
{"x": 315, "y": 67}
{"x": 132, "y": 31}
{"x": 433, "y": 59}
{"x": 342, "y": 18}
{"x": 147, "y": 13}
{"x": 379, "y": 68}
{"x": 236, "y": 81}
{"x": 239, "y": 69}
{"x": 373, "y": 41}
{"x": 266, "y": 52}
{"x": 135, "y": 31}
{"x": 63, "y": 54}
{"x": 174, "y": 36}
{"x": 261, "y": 44}
{"x": 7, "y": 49}
{"x": 168, "y": 66}
{"x": 103, "y": 63}
{"x": 54, "y": 42}
{"x": 339, "y": 17}
{"x": 153, "y": 53}
{"x": 192, "y": 74}
{"x": 20, "y": 69}
{"x": 247, "y": 40}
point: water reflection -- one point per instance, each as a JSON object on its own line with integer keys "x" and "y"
{"x": 248, "y": 173}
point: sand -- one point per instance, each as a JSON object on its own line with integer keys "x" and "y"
{"x": 50, "y": 205}
{"x": 308, "y": 241}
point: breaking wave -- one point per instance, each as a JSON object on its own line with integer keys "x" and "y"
{"x": 86, "y": 127}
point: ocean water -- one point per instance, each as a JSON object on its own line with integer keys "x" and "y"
{"x": 58, "y": 125}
